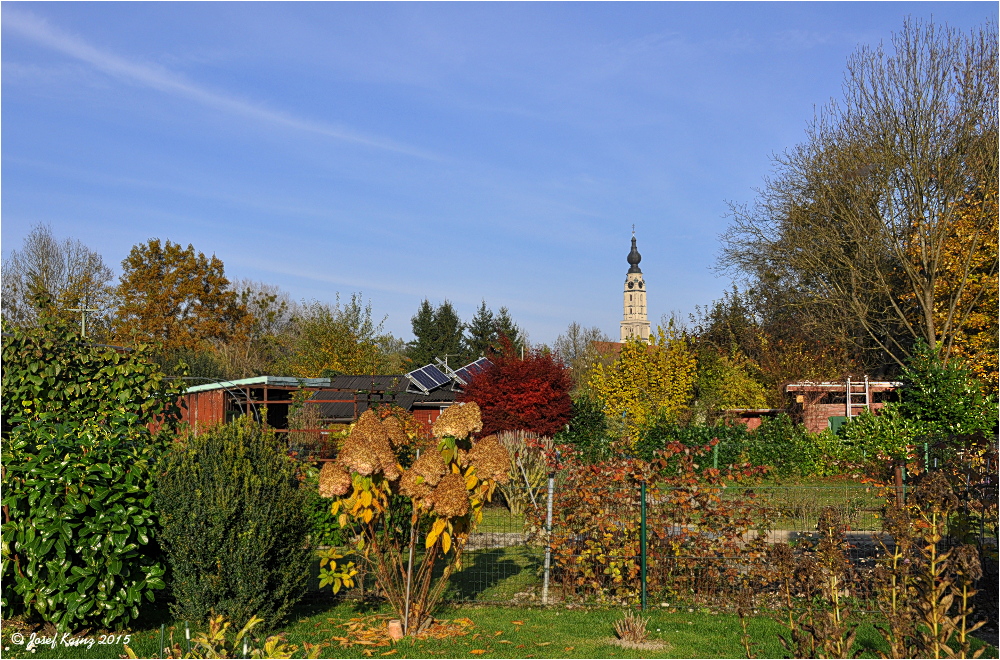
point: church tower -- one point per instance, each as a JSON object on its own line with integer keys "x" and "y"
{"x": 635, "y": 323}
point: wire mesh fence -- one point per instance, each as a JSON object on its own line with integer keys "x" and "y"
{"x": 596, "y": 551}
{"x": 696, "y": 543}
{"x": 597, "y": 555}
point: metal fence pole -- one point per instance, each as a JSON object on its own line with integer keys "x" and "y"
{"x": 715, "y": 456}
{"x": 642, "y": 542}
{"x": 548, "y": 541}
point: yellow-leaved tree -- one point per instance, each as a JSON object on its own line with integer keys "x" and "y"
{"x": 647, "y": 381}
{"x": 965, "y": 295}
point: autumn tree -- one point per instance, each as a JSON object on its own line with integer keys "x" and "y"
{"x": 854, "y": 228}
{"x": 577, "y": 349}
{"x": 177, "y": 297}
{"x": 745, "y": 338}
{"x": 970, "y": 303}
{"x": 59, "y": 276}
{"x": 647, "y": 381}
{"x": 260, "y": 350}
{"x": 725, "y": 382}
{"x": 438, "y": 332}
{"x": 529, "y": 393}
{"x": 327, "y": 340}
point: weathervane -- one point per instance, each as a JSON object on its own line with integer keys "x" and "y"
{"x": 633, "y": 230}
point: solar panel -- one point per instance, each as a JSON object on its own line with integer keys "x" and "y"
{"x": 480, "y": 365}
{"x": 428, "y": 378}
{"x": 436, "y": 375}
{"x": 467, "y": 372}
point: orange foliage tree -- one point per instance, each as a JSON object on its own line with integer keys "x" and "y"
{"x": 175, "y": 296}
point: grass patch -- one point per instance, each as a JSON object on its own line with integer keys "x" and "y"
{"x": 507, "y": 632}
{"x": 498, "y": 520}
{"x": 498, "y": 575}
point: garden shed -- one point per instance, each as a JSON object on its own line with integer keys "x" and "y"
{"x": 425, "y": 392}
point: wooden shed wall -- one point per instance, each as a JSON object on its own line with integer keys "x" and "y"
{"x": 204, "y": 409}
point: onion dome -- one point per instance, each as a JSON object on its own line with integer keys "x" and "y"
{"x": 634, "y": 258}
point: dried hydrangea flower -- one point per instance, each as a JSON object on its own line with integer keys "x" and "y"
{"x": 397, "y": 432}
{"x": 430, "y": 466}
{"x": 333, "y": 480}
{"x": 356, "y": 456}
{"x": 367, "y": 449}
{"x": 450, "y": 498}
{"x": 459, "y": 421}
{"x": 387, "y": 460}
{"x": 369, "y": 428}
{"x": 491, "y": 460}
{"x": 414, "y": 486}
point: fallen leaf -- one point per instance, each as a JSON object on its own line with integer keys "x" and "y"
{"x": 498, "y": 633}
{"x": 388, "y": 652}
{"x": 518, "y": 623}
{"x": 542, "y": 643}
{"x": 504, "y": 641}
{"x": 477, "y": 651}
{"x": 569, "y": 648}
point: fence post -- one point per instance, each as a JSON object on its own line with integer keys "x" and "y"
{"x": 548, "y": 541}
{"x": 715, "y": 456}
{"x": 642, "y": 542}
{"x": 898, "y": 478}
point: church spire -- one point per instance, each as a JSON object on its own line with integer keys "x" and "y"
{"x": 635, "y": 322}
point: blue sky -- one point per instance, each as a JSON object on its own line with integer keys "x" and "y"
{"x": 408, "y": 150}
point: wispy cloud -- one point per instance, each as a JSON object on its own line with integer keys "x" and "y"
{"x": 41, "y": 32}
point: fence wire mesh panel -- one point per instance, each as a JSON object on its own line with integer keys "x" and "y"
{"x": 704, "y": 544}
{"x": 701, "y": 541}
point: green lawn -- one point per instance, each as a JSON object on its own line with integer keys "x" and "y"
{"x": 541, "y": 633}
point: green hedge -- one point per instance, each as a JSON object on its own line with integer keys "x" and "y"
{"x": 236, "y": 525}
{"x": 778, "y": 442}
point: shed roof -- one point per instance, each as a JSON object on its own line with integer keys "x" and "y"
{"x": 261, "y": 381}
{"x": 808, "y": 386}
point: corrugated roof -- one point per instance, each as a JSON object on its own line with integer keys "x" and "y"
{"x": 368, "y": 383}
{"x": 339, "y": 405}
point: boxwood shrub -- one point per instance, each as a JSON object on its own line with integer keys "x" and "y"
{"x": 235, "y": 525}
